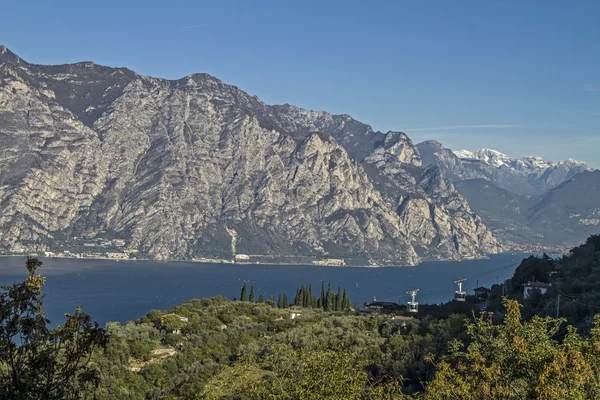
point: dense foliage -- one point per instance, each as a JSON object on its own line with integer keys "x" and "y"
{"x": 517, "y": 360}
{"x": 327, "y": 301}
{"x": 575, "y": 285}
{"x": 318, "y": 347}
{"x": 41, "y": 363}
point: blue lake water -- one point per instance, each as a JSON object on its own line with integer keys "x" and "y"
{"x": 125, "y": 290}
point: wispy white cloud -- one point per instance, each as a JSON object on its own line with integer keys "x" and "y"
{"x": 183, "y": 28}
{"x": 454, "y": 127}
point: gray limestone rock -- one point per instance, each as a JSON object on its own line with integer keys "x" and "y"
{"x": 195, "y": 168}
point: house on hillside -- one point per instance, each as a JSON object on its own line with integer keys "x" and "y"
{"x": 181, "y": 318}
{"x": 173, "y": 322}
{"x": 402, "y": 320}
{"x": 295, "y": 313}
{"x": 481, "y": 293}
{"x": 379, "y": 306}
{"x": 531, "y": 287}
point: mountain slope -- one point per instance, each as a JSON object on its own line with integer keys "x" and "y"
{"x": 562, "y": 217}
{"x": 570, "y": 210}
{"x": 198, "y": 168}
{"x": 527, "y": 175}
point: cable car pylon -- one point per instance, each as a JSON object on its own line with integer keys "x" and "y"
{"x": 413, "y": 306}
{"x": 459, "y": 295}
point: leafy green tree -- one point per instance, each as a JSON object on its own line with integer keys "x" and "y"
{"x": 301, "y": 297}
{"x": 172, "y": 323}
{"x": 322, "y": 297}
{"x": 338, "y": 299}
{"x": 300, "y": 375}
{"x": 244, "y": 293}
{"x": 251, "y": 297}
{"x": 308, "y": 296}
{"x": 519, "y": 360}
{"x": 330, "y": 300}
{"x": 38, "y": 362}
{"x": 286, "y": 302}
{"x": 532, "y": 269}
{"x": 345, "y": 301}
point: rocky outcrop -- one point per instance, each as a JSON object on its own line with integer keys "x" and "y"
{"x": 197, "y": 168}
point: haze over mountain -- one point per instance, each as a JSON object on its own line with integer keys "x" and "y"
{"x": 564, "y": 215}
{"x": 526, "y": 175}
{"x": 529, "y": 203}
{"x": 195, "y": 168}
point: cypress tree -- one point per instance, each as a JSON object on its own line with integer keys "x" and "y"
{"x": 319, "y": 304}
{"x": 298, "y": 301}
{"x": 330, "y": 301}
{"x": 296, "y": 297}
{"x": 286, "y": 302}
{"x": 261, "y": 298}
{"x": 280, "y": 301}
{"x": 322, "y": 298}
{"x": 338, "y": 299}
{"x": 345, "y": 301}
{"x": 251, "y": 298}
{"x": 305, "y": 297}
{"x": 244, "y": 295}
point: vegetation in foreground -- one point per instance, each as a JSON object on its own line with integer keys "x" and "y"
{"x": 221, "y": 349}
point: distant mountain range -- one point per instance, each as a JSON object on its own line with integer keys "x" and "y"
{"x": 527, "y": 175}
{"x": 529, "y": 203}
{"x": 100, "y": 160}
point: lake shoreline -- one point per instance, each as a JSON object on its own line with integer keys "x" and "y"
{"x": 111, "y": 290}
{"x": 231, "y": 262}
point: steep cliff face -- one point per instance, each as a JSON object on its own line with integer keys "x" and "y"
{"x": 436, "y": 219}
{"x": 197, "y": 168}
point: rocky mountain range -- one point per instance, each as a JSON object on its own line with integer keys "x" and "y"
{"x": 558, "y": 219}
{"x": 100, "y": 157}
{"x": 527, "y": 175}
{"x": 528, "y": 203}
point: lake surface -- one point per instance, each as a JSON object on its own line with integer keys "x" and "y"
{"x": 125, "y": 290}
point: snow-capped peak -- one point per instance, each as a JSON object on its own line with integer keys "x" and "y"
{"x": 526, "y": 165}
{"x": 493, "y": 157}
{"x": 571, "y": 161}
{"x": 536, "y": 162}
{"x": 488, "y": 156}
{"x": 526, "y": 175}
{"x": 464, "y": 154}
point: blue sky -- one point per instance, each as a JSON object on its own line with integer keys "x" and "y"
{"x": 522, "y": 77}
